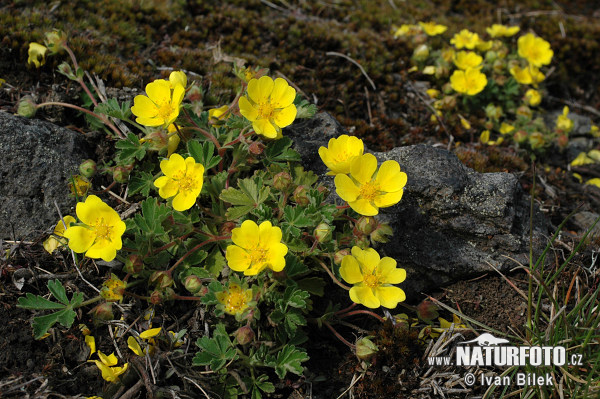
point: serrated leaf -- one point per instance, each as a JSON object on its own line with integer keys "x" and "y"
{"x": 215, "y": 352}
{"x": 250, "y": 195}
{"x": 130, "y": 149}
{"x": 294, "y": 267}
{"x": 279, "y": 151}
{"x": 290, "y": 359}
{"x": 36, "y": 302}
{"x": 295, "y": 297}
{"x": 236, "y": 197}
{"x": 297, "y": 216}
{"x": 292, "y": 321}
{"x": 236, "y": 212}
{"x": 215, "y": 262}
{"x": 153, "y": 214}
{"x": 112, "y": 108}
{"x": 204, "y": 153}
{"x": 141, "y": 183}
{"x": 305, "y": 110}
{"x": 58, "y": 291}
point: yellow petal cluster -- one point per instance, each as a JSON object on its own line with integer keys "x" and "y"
{"x": 340, "y": 153}
{"x": 256, "y": 248}
{"x": 160, "y": 106}
{"x": 467, "y": 59}
{"x": 533, "y": 97}
{"x": 147, "y": 335}
{"x": 498, "y": 30}
{"x": 432, "y": 29}
{"x": 529, "y": 75}
{"x": 37, "y": 54}
{"x": 57, "y": 239}
{"x": 234, "y": 299}
{"x": 108, "y": 367}
{"x": 535, "y": 50}
{"x": 112, "y": 289}
{"x": 100, "y": 234}
{"x": 584, "y": 159}
{"x": 470, "y": 81}
{"x": 269, "y": 105}
{"x": 405, "y": 30}
{"x": 372, "y": 278}
{"x": 183, "y": 179}
{"x": 366, "y": 189}
{"x": 563, "y": 123}
{"x": 218, "y": 115}
{"x": 465, "y": 39}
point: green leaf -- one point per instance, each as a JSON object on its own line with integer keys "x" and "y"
{"x": 314, "y": 285}
{"x": 57, "y": 289}
{"x": 297, "y": 216}
{"x": 36, "y": 302}
{"x": 153, "y": 214}
{"x": 215, "y": 352}
{"x": 112, "y": 108}
{"x": 215, "y": 262}
{"x": 294, "y": 267}
{"x": 131, "y": 149}
{"x": 251, "y": 193}
{"x": 42, "y": 324}
{"x": 290, "y": 359}
{"x": 305, "y": 110}
{"x": 279, "y": 151}
{"x": 295, "y": 297}
{"x": 141, "y": 183}
{"x": 203, "y": 153}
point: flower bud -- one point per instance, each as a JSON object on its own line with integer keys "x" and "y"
{"x": 244, "y": 335}
{"x": 366, "y": 225}
{"x": 256, "y": 148}
{"x": 366, "y": 349}
{"x": 133, "y": 264}
{"x": 562, "y": 140}
{"x": 66, "y": 70}
{"x": 300, "y": 196}
{"x": 27, "y": 107}
{"x": 155, "y": 297}
{"x": 441, "y": 72}
{"x": 323, "y": 190}
{"x": 524, "y": 111}
{"x": 55, "y": 41}
{"x": 536, "y": 140}
{"x": 88, "y": 168}
{"x": 282, "y": 181}
{"x": 339, "y": 255}
{"x": 361, "y": 242}
{"x": 498, "y": 67}
{"x": 227, "y": 227}
{"x": 520, "y": 136}
{"x": 447, "y": 88}
{"x": 121, "y": 174}
{"x": 501, "y": 80}
{"x": 194, "y": 94}
{"x": 421, "y": 53}
{"x": 493, "y": 112}
{"x": 382, "y": 233}
{"x": 323, "y": 232}
{"x": 491, "y": 56}
{"x": 427, "y": 310}
{"x": 161, "y": 279}
{"x": 448, "y": 103}
{"x": 102, "y": 312}
{"x": 193, "y": 284}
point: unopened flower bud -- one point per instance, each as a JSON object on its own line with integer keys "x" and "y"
{"x": 366, "y": 349}
{"x": 193, "y": 284}
{"x": 493, "y": 112}
{"x": 133, "y": 264}
{"x": 66, "y": 70}
{"x": 300, "y": 195}
{"x": 282, "y": 181}
{"x": 102, "y": 312}
{"x": 427, "y": 310}
{"x": 155, "y": 297}
{"x": 501, "y": 80}
{"x": 121, "y": 174}
{"x": 194, "y": 94}
{"x": 382, "y": 233}
{"x": 227, "y": 227}
{"x": 88, "y": 168}
{"x": 256, "y": 148}
{"x": 323, "y": 190}
{"x": 27, "y": 107}
{"x": 447, "y": 88}
{"x": 536, "y": 140}
{"x": 339, "y": 255}
{"x": 323, "y": 232}
{"x": 498, "y": 66}
{"x": 520, "y": 136}
{"x": 421, "y": 53}
{"x": 244, "y": 335}
{"x": 442, "y": 72}
{"x": 491, "y": 56}
{"x": 361, "y": 242}
{"x": 524, "y": 111}
{"x": 366, "y": 224}
{"x": 161, "y": 279}
{"x": 448, "y": 103}
{"x": 55, "y": 41}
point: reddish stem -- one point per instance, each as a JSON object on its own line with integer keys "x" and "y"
{"x": 197, "y": 247}
{"x": 172, "y": 243}
{"x": 338, "y": 336}
{"x": 349, "y": 308}
{"x": 367, "y": 312}
{"x": 342, "y": 206}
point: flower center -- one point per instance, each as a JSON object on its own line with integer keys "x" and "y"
{"x": 258, "y": 255}
{"x": 102, "y": 230}
{"x": 186, "y": 183}
{"x": 236, "y": 301}
{"x": 369, "y": 191}
{"x": 371, "y": 281}
{"x": 266, "y": 110}
{"x": 165, "y": 110}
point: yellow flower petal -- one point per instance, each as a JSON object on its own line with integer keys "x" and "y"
{"x": 345, "y": 188}
{"x": 389, "y": 296}
{"x": 265, "y": 128}
{"x": 184, "y": 200}
{"x": 283, "y": 94}
{"x": 103, "y": 250}
{"x": 109, "y": 360}
{"x": 91, "y": 343}
{"x": 80, "y": 238}
{"x": 260, "y": 90}
{"x": 363, "y": 167}
{"x": 350, "y": 270}
{"x": 247, "y": 109}
{"x": 237, "y": 258}
{"x": 175, "y": 165}
{"x": 134, "y": 346}
{"x": 37, "y": 54}
{"x": 144, "y": 107}
{"x": 247, "y": 235}
{"x": 178, "y": 77}
{"x": 153, "y": 332}
{"x": 286, "y": 116}
{"x": 87, "y": 211}
{"x": 389, "y": 177}
{"x": 159, "y": 92}
{"x": 387, "y": 272}
{"x": 364, "y": 296}
{"x": 363, "y": 207}
{"x": 389, "y": 199}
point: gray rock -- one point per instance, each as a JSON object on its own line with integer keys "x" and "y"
{"x": 453, "y": 223}
{"x": 37, "y": 161}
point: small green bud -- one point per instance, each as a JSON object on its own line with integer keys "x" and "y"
{"x": 56, "y": 41}
{"x": 282, "y": 181}
{"x": 323, "y": 232}
{"x": 339, "y": 255}
{"x": 366, "y": 224}
{"x": 161, "y": 279}
{"x": 491, "y": 56}
{"x": 121, "y": 174}
{"x": 536, "y": 140}
{"x": 65, "y": 69}
{"x": 520, "y": 136}
{"x": 102, "y": 312}
{"x": 27, "y": 107}
{"x": 447, "y": 88}
{"x": 300, "y": 196}
{"x": 244, "y": 335}
{"x": 498, "y": 66}
{"x": 366, "y": 349}
{"x": 193, "y": 284}
{"x": 88, "y": 168}
{"x": 155, "y": 297}
{"x": 421, "y": 53}
{"x": 524, "y": 111}
{"x": 493, "y": 112}
{"x": 382, "y": 233}
{"x": 133, "y": 264}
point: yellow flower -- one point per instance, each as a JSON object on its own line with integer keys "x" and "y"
{"x": 405, "y": 30}
{"x": 37, "y": 54}
{"x": 465, "y": 39}
{"x": 470, "y": 81}
{"x": 183, "y": 179}
{"x": 505, "y": 128}
{"x": 112, "y": 289}
{"x": 79, "y": 185}
{"x": 234, "y": 299}
{"x": 368, "y": 189}
{"x": 535, "y": 50}
{"x": 432, "y": 29}
{"x": 582, "y": 159}
{"x": 429, "y": 70}
{"x": 256, "y": 247}
{"x": 100, "y": 236}
{"x": 147, "y": 335}
{"x": 563, "y": 123}
{"x": 483, "y": 45}
{"x": 177, "y": 77}
{"x": 485, "y": 138}
{"x": 372, "y": 278}
{"x": 594, "y": 131}
{"x": 59, "y": 231}
{"x": 218, "y": 115}
{"x": 162, "y": 103}
{"x": 340, "y": 153}
{"x": 527, "y": 75}
{"x": 433, "y": 93}
{"x": 107, "y": 365}
{"x": 594, "y": 182}
{"x": 467, "y": 59}
{"x": 533, "y": 97}
{"x": 497, "y": 30}
{"x": 269, "y": 105}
